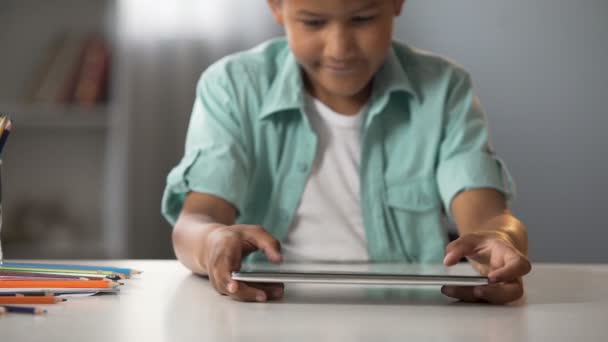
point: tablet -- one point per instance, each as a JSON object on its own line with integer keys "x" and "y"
{"x": 359, "y": 273}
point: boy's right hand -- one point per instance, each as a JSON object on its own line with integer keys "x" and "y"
{"x": 225, "y": 248}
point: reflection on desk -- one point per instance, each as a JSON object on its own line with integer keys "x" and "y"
{"x": 563, "y": 303}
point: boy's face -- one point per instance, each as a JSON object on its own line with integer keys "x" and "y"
{"x": 339, "y": 43}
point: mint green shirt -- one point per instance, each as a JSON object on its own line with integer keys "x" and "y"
{"x": 424, "y": 139}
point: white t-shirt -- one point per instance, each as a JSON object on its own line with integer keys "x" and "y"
{"x": 328, "y": 225}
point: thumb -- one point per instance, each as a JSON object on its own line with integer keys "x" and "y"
{"x": 265, "y": 242}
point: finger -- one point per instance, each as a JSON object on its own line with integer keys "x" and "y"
{"x": 214, "y": 278}
{"x": 517, "y": 266}
{"x": 459, "y": 248}
{"x": 230, "y": 262}
{"x": 247, "y": 293}
{"x": 261, "y": 239}
{"x": 464, "y": 293}
{"x": 273, "y": 291}
{"x": 222, "y": 272}
{"x": 501, "y": 293}
{"x": 216, "y": 286}
{"x": 482, "y": 269}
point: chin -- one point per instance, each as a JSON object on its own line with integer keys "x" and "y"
{"x": 345, "y": 90}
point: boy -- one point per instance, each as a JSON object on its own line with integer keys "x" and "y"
{"x": 340, "y": 144}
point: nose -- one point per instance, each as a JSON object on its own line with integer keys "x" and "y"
{"x": 339, "y": 43}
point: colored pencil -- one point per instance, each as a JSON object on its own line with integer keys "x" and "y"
{"x": 55, "y": 291}
{"x": 3, "y": 138}
{"x": 46, "y": 275}
{"x": 24, "y": 309}
{"x": 74, "y": 292}
{"x": 5, "y": 129}
{"x": 3, "y": 119}
{"x": 120, "y": 270}
{"x": 58, "y": 284}
{"x": 33, "y": 294}
{"x": 30, "y": 300}
{"x": 8, "y": 267}
{"x": 66, "y": 275}
{"x": 82, "y": 273}
{"x": 36, "y": 278}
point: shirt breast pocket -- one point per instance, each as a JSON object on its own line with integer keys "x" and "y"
{"x": 413, "y": 211}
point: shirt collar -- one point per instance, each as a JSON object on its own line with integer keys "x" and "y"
{"x": 286, "y": 92}
{"x": 392, "y": 77}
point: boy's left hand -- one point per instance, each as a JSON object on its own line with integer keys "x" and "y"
{"x": 494, "y": 255}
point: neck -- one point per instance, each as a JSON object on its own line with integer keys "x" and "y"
{"x": 345, "y": 105}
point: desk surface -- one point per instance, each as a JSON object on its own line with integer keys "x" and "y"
{"x": 167, "y": 303}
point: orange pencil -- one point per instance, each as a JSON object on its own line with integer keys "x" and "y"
{"x": 31, "y": 300}
{"x": 72, "y": 284}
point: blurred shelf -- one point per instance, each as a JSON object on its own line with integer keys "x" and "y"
{"x": 76, "y": 154}
{"x": 58, "y": 116}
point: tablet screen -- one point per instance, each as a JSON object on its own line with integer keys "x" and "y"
{"x": 360, "y": 273}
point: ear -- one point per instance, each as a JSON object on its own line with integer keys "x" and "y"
{"x": 276, "y": 7}
{"x": 398, "y": 5}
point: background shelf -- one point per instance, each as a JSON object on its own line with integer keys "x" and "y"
{"x": 65, "y": 164}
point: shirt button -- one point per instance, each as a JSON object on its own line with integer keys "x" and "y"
{"x": 302, "y": 167}
{"x": 283, "y": 215}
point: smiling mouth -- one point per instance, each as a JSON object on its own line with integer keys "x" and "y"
{"x": 340, "y": 69}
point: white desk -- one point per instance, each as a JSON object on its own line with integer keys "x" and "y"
{"x": 167, "y": 303}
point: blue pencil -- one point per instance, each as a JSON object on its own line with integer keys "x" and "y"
{"x": 23, "y": 309}
{"x": 6, "y": 128}
{"x": 125, "y": 271}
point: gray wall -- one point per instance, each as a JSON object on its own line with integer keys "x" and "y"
{"x": 161, "y": 67}
{"x": 537, "y": 68}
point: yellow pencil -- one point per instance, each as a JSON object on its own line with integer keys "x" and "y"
{"x": 2, "y": 121}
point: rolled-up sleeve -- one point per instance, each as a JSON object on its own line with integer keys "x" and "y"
{"x": 215, "y": 160}
{"x": 466, "y": 159}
